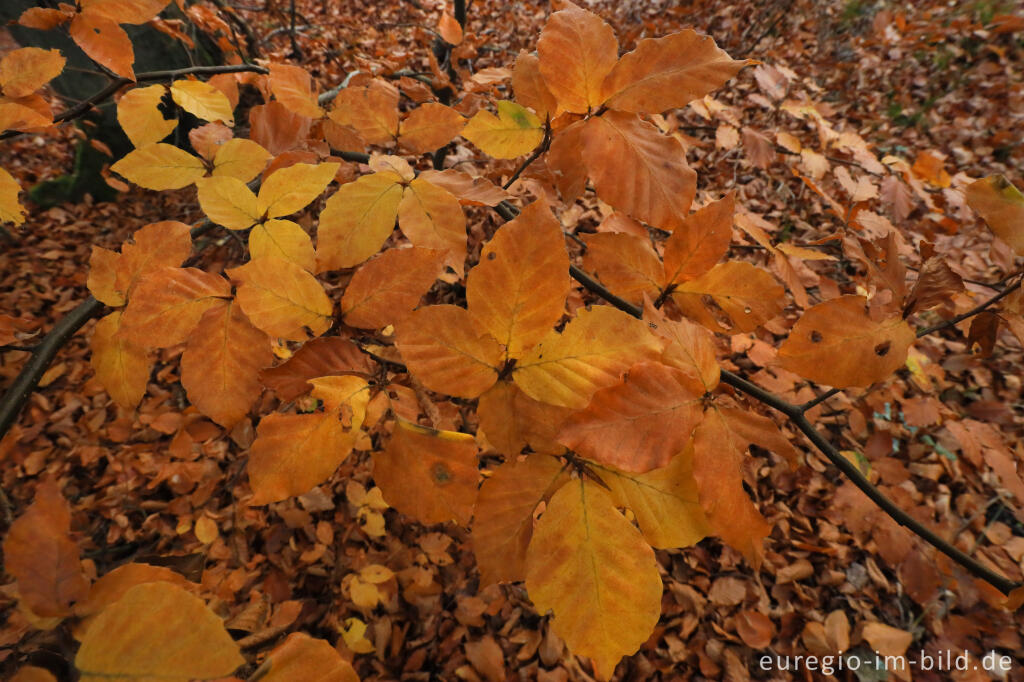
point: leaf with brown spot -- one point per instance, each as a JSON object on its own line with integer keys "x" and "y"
{"x": 105, "y": 42}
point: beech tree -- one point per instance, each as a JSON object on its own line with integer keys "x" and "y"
{"x": 391, "y": 272}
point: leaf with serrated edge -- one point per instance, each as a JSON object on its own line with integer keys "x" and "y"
{"x": 513, "y": 132}
{"x": 122, "y": 367}
{"x": 588, "y": 565}
{"x": 293, "y": 453}
{"x": 664, "y": 501}
{"x": 282, "y": 239}
{"x": 668, "y": 73}
{"x": 221, "y": 364}
{"x": 167, "y": 303}
{"x": 747, "y": 295}
{"x": 388, "y": 287}
{"x": 282, "y": 299}
{"x": 428, "y": 474}
{"x": 202, "y": 100}
{"x": 448, "y": 351}
{"x": 357, "y": 220}
{"x": 227, "y": 201}
{"x": 638, "y": 170}
{"x": 593, "y": 351}
{"x": 157, "y": 631}
{"x": 517, "y": 291}
{"x": 160, "y": 166}
{"x": 503, "y": 515}
{"x": 837, "y": 343}
{"x": 577, "y": 50}
{"x": 640, "y": 424}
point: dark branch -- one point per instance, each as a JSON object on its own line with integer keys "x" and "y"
{"x": 973, "y": 311}
{"x": 533, "y": 157}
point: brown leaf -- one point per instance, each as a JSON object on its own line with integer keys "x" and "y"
{"x": 936, "y": 284}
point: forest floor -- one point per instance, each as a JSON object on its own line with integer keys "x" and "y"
{"x": 929, "y": 94}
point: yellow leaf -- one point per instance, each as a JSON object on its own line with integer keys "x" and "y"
{"x": 593, "y": 351}
{"x": 430, "y": 126}
{"x": 114, "y": 584}
{"x": 25, "y": 70}
{"x": 664, "y": 501}
{"x": 431, "y": 217}
{"x": 1002, "y": 207}
{"x": 227, "y": 201}
{"x": 160, "y": 166}
{"x": 427, "y": 474}
{"x": 202, "y": 100}
{"x": 11, "y": 210}
{"x": 588, "y": 565}
{"x": 31, "y": 673}
{"x": 837, "y": 343}
{"x": 282, "y": 239}
{"x": 388, "y": 287}
{"x": 122, "y": 368}
{"x": 293, "y": 87}
{"x": 221, "y": 364}
{"x": 357, "y": 219}
{"x": 240, "y": 158}
{"x": 577, "y": 50}
{"x": 157, "y": 631}
{"x": 503, "y": 515}
{"x": 291, "y": 189}
{"x": 640, "y": 424}
{"x": 745, "y": 297}
{"x": 513, "y": 132}
{"x": 206, "y": 530}
{"x": 517, "y": 291}
{"x": 141, "y": 120}
{"x": 447, "y": 350}
{"x": 168, "y": 302}
{"x": 668, "y": 73}
{"x": 638, "y": 170}
{"x": 102, "y": 281}
{"x": 282, "y": 299}
{"x": 26, "y": 114}
{"x": 294, "y": 452}
{"x": 301, "y": 657}
{"x": 354, "y": 634}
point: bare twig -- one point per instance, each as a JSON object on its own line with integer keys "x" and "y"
{"x": 973, "y": 311}
{"x": 543, "y": 147}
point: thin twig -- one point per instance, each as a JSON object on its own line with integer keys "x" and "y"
{"x": 543, "y": 147}
{"x": 973, "y": 311}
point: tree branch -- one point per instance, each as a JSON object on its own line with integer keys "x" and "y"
{"x": 973, "y": 311}
{"x": 533, "y": 157}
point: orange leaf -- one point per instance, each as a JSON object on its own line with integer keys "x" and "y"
{"x": 293, "y": 87}
{"x": 386, "y": 288}
{"x": 577, "y": 50}
{"x": 25, "y": 70}
{"x": 838, "y": 344}
{"x": 317, "y": 358}
{"x": 638, "y": 170}
{"x": 510, "y": 420}
{"x": 503, "y": 515}
{"x": 690, "y": 347}
{"x": 626, "y": 264}
{"x": 124, "y": 11}
{"x": 640, "y": 424}
{"x": 530, "y": 88}
{"x": 276, "y": 128}
{"x": 450, "y": 29}
{"x": 744, "y": 297}
{"x": 1002, "y": 207}
{"x": 371, "y": 109}
{"x": 430, "y": 126}
{"x": 432, "y": 218}
{"x": 427, "y": 474}
{"x": 282, "y": 299}
{"x": 700, "y": 242}
{"x": 42, "y": 19}
{"x": 24, "y": 114}
{"x": 166, "y": 243}
{"x": 157, "y": 630}
{"x": 167, "y": 303}
{"x": 41, "y": 556}
{"x": 668, "y": 73}
{"x": 122, "y": 367}
{"x": 31, "y": 673}
{"x": 294, "y": 452}
{"x": 469, "y": 190}
{"x": 105, "y": 42}
{"x": 517, "y": 291}
{"x": 221, "y": 363}
{"x": 448, "y": 350}
{"x": 113, "y": 586}
{"x": 102, "y": 281}
{"x": 301, "y": 657}
{"x": 282, "y": 239}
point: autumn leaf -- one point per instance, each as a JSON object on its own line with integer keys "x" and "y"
{"x": 450, "y": 29}
{"x": 700, "y": 241}
{"x": 167, "y": 303}
{"x": 104, "y": 42}
{"x": 390, "y": 285}
{"x": 282, "y": 299}
{"x": 140, "y": 117}
{"x": 668, "y": 73}
{"x": 240, "y": 158}
{"x": 203, "y": 101}
{"x": 157, "y": 630}
{"x": 11, "y": 210}
{"x": 25, "y": 70}
{"x": 41, "y": 556}
{"x": 530, "y": 88}
{"x": 164, "y": 243}
{"x": 638, "y": 170}
{"x": 431, "y": 217}
{"x": 294, "y": 452}
{"x": 837, "y": 343}
{"x": 503, "y": 515}
{"x": 371, "y": 109}
{"x": 357, "y": 219}
{"x": 322, "y": 357}
{"x": 626, "y": 264}
{"x": 588, "y": 565}
{"x": 124, "y": 11}
{"x": 293, "y": 87}
{"x": 301, "y": 657}
{"x": 511, "y": 420}
{"x": 430, "y": 126}
{"x": 469, "y": 190}
{"x": 283, "y": 239}
{"x": 1001, "y": 205}
{"x": 121, "y": 367}
{"x": 743, "y": 295}
{"x": 291, "y": 189}
{"x": 113, "y": 585}
{"x": 428, "y": 474}
{"x": 221, "y": 363}
{"x": 160, "y": 166}
{"x": 577, "y": 50}
{"x": 640, "y": 424}
{"x": 227, "y": 201}
{"x": 513, "y": 132}
{"x": 689, "y": 347}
